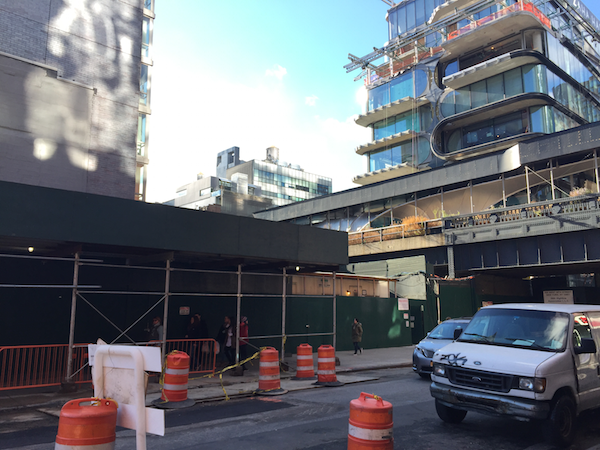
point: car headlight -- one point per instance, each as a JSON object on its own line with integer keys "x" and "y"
{"x": 422, "y": 351}
{"x": 439, "y": 370}
{"x": 537, "y": 385}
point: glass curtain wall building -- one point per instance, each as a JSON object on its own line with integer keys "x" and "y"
{"x": 459, "y": 85}
{"x": 142, "y": 160}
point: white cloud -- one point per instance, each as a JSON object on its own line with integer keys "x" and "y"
{"x": 277, "y": 72}
{"x": 311, "y": 100}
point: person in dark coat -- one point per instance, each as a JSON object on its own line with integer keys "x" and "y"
{"x": 357, "y": 332}
{"x": 226, "y": 339}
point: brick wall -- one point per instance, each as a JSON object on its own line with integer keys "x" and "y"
{"x": 93, "y": 42}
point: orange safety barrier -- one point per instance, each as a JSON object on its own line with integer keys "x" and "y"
{"x": 326, "y": 366}
{"x": 371, "y": 424}
{"x": 304, "y": 363}
{"x": 268, "y": 373}
{"x": 28, "y": 366}
{"x": 92, "y": 425}
{"x": 175, "y": 382}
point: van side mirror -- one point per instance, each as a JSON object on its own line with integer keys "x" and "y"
{"x": 457, "y": 333}
{"x": 587, "y": 346}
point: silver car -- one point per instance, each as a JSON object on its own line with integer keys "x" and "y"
{"x": 437, "y": 338}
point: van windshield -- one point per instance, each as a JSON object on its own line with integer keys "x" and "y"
{"x": 536, "y": 330}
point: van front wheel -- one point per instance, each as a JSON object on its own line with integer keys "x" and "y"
{"x": 559, "y": 427}
{"x": 449, "y": 415}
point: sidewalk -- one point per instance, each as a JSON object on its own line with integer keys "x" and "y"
{"x": 202, "y": 388}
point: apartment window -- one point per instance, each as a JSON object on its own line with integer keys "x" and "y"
{"x": 149, "y": 4}
{"x": 141, "y": 135}
{"x": 144, "y": 85}
{"x": 146, "y": 37}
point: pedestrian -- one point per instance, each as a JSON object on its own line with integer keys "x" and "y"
{"x": 156, "y": 332}
{"x": 192, "y": 332}
{"x": 243, "y": 340}
{"x": 226, "y": 339}
{"x": 357, "y": 332}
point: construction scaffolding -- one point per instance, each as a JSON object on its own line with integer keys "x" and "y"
{"x": 248, "y": 286}
{"x": 407, "y": 49}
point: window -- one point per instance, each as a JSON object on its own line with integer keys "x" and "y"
{"x": 141, "y": 135}
{"x": 230, "y": 158}
{"x": 144, "y": 85}
{"x": 146, "y": 37}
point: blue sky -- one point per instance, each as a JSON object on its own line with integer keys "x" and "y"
{"x": 256, "y": 74}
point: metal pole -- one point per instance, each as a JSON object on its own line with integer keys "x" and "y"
{"x": 166, "y": 308}
{"x": 552, "y": 177}
{"x": 283, "y": 305}
{"x": 334, "y": 314}
{"x": 503, "y": 193}
{"x": 596, "y": 170}
{"x": 72, "y": 325}
{"x": 527, "y": 182}
{"x": 238, "y": 310}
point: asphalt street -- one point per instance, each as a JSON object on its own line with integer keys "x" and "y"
{"x": 315, "y": 419}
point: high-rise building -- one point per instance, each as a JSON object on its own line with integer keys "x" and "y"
{"x": 244, "y": 187}
{"x": 283, "y": 182}
{"x": 74, "y": 83}
{"x": 484, "y": 157}
{"x": 455, "y": 97}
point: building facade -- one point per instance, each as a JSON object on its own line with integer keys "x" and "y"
{"x": 459, "y": 87}
{"x": 245, "y": 187}
{"x": 216, "y": 194}
{"x": 280, "y": 181}
{"x": 70, "y": 84}
{"x": 484, "y": 154}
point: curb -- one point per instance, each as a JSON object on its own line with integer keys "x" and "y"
{"x": 59, "y": 402}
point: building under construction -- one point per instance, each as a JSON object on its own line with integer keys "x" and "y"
{"x": 483, "y": 158}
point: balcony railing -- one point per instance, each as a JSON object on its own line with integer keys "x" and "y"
{"x": 567, "y": 205}
{"x": 502, "y": 13}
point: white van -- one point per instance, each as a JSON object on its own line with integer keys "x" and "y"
{"x": 526, "y": 361}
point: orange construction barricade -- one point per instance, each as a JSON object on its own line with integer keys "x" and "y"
{"x": 268, "y": 374}
{"x": 326, "y": 367}
{"x": 87, "y": 423}
{"x": 304, "y": 363}
{"x": 175, "y": 385}
{"x": 371, "y": 424}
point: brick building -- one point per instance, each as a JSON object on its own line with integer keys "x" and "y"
{"x": 74, "y": 80}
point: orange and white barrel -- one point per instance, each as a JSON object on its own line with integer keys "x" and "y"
{"x": 175, "y": 386}
{"x": 371, "y": 423}
{"x": 304, "y": 362}
{"x": 87, "y": 423}
{"x": 326, "y": 364}
{"x": 268, "y": 373}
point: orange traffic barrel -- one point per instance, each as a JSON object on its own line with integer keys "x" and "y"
{"x": 88, "y": 423}
{"x": 175, "y": 384}
{"x": 371, "y": 423}
{"x": 268, "y": 373}
{"x": 326, "y": 367}
{"x": 304, "y": 363}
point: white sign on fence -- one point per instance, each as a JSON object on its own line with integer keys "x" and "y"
{"x": 564, "y": 297}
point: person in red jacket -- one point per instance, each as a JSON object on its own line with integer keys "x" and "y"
{"x": 243, "y": 339}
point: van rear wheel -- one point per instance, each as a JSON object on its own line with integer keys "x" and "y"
{"x": 559, "y": 427}
{"x": 449, "y": 415}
